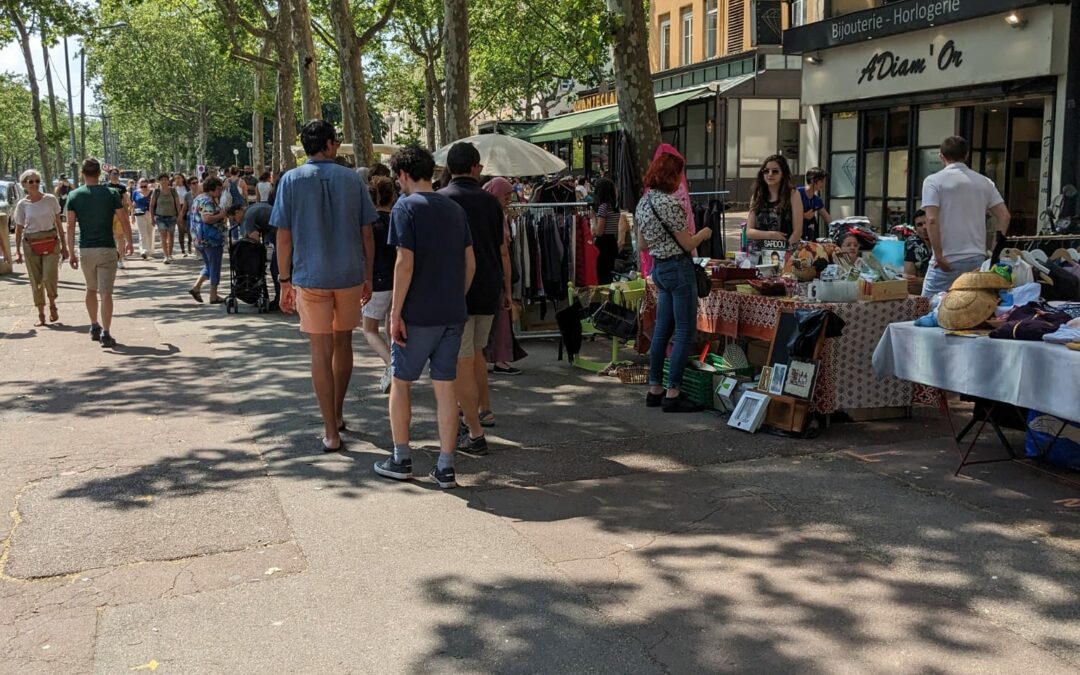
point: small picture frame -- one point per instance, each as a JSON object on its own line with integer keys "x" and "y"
{"x": 726, "y": 393}
{"x": 750, "y": 412}
{"x": 764, "y": 379}
{"x": 800, "y": 379}
{"x": 776, "y": 382}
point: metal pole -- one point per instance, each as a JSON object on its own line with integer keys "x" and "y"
{"x": 71, "y": 114}
{"x": 82, "y": 101}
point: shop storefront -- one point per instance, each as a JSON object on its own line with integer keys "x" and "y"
{"x": 725, "y": 116}
{"x": 884, "y": 86}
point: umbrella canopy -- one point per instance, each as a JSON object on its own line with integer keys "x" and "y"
{"x": 504, "y": 155}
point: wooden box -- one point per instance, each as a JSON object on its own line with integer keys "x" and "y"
{"x": 874, "y": 291}
{"x": 787, "y": 413}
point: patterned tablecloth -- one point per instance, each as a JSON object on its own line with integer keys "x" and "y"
{"x": 846, "y": 378}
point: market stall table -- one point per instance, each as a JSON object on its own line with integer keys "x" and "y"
{"x": 1018, "y": 372}
{"x": 846, "y": 380}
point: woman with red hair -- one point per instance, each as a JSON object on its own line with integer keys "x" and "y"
{"x": 662, "y": 231}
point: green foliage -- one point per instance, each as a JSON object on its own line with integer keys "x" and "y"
{"x": 16, "y": 128}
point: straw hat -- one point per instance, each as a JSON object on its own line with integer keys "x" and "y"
{"x": 974, "y": 281}
{"x": 961, "y": 310}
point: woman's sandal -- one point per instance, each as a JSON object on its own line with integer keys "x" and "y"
{"x": 195, "y": 294}
{"x": 40, "y": 319}
{"x": 487, "y": 418}
{"x": 54, "y": 315}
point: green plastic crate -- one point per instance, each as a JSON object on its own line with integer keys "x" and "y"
{"x": 697, "y": 385}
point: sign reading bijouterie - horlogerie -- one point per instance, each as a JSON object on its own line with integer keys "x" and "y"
{"x": 893, "y": 19}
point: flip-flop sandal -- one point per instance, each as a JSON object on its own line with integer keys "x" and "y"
{"x": 326, "y": 448}
{"x": 40, "y": 321}
{"x": 487, "y": 418}
{"x": 54, "y": 315}
{"x": 195, "y": 294}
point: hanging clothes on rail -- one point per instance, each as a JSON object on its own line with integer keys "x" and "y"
{"x": 585, "y": 273}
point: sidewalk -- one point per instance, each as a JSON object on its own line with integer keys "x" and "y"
{"x": 167, "y": 509}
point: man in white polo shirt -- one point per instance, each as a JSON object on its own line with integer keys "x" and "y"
{"x": 956, "y": 200}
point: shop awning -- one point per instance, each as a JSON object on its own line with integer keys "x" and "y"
{"x": 606, "y": 119}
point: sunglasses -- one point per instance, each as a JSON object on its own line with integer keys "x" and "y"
{"x": 32, "y": 181}
{"x": 771, "y": 172}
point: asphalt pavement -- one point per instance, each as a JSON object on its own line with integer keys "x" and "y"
{"x": 166, "y": 508}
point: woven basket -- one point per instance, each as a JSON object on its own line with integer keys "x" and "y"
{"x": 976, "y": 281}
{"x": 635, "y": 374}
{"x": 961, "y": 310}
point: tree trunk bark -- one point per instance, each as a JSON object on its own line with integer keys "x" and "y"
{"x": 440, "y": 114}
{"x": 457, "y": 69}
{"x": 353, "y": 89}
{"x": 286, "y": 83}
{"x": 346, "y": 118}
{"x": 35, "y": 96}
{"x": 307, "y": 61}
{"x": 431, "y": 85}
{"x": 258, "y": 137}
{"x": 633, "y": 84}
{"x": 52, "y": 107}
{"x": 202, "y": 134}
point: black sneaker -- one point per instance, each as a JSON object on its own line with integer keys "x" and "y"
{"x": 474, "y": 447}
{"x": 680, "y": 404}
{"x": 462, "y": 434}
{"x": 444, "y": 478}
{"x": 108, "y": 341}
{"x": 653, "y": 400}
{"x": 388, "y": 468}
{"x": 95, "y": 333}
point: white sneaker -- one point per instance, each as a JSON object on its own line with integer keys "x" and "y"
{"x": 120, "y": 264}
{"x": 385, "y": 381}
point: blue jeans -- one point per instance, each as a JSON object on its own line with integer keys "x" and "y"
{"x": 676, "y": 313}
{"x": 211, "y": 256}
{"x": 938, "y": 280}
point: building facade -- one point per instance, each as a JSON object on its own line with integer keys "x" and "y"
{"x": 884, "y": 82}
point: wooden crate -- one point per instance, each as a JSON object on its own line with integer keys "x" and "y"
{"x": 787, "y": 413}
{"x": 875, "y": 291}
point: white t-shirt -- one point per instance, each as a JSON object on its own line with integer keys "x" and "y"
{"x": 963, "y": 197}
{"x": 263, "y": 188}
{"x": 39, "y": 216}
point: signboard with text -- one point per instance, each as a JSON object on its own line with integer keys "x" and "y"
{"x": 957, "y": 55}
{"x": 893, "y": 19}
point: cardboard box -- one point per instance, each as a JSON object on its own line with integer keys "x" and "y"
{"x": 874, "y": 291}
{"x": 757, "y": 352}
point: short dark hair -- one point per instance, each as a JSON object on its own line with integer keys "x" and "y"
{"x": 315, "y": 135}
{"x": 415, "y": 161}
{"x": 815, "y": 174}
{"x": 91, "y": 168}
{"x": 921, "y": 213}
{"x": 378, "y": 169}
{"x": 163, "y": 176}
{"x": 955, "y": 148}
{"x": 211, "y": 184}
{"x": 462, "y": 157}
{"x": 233, "y": 208}
{"x": 264, "y": 176}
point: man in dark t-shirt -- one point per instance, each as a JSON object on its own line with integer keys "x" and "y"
{"x": 485, "y": 217}
{"x": 92, "y": 208}
{"x": 435, "y": 267}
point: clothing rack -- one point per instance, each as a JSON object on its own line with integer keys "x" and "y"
{"x": 723, "y": 211}
{"x": 574, "y": 208}
{"x": 1052, "y": 241}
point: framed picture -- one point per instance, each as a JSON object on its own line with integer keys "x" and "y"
{"x": 750, "y": 411}
{"x": 800, "y": 379}
{"x": 779, "y": 374}
{"x": 726, "y": 394}
{"x": 765, "y": 378}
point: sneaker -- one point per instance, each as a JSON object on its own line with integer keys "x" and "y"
{"x": 384, "y": 381}
{"x": 680, "y": 404}
{"x": 509, "y": 370}
{"x": 145, "y": 256}
{"x": 107, "y": 341}
{"x": 462, "y": 433}
{"x": 166, "y": 261}
{"x": 473, "y": 447}
{"x": 654, "y": 400}
{"x": 444, "y": 478}
{"x": 95, "y": 333}
{"x": 120, "y": 264}
{"x": 388, "y": 468}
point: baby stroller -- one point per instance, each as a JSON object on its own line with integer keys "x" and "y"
{"x": 247, "y": 276}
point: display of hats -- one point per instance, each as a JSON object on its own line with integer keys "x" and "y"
{"x": 975, "y": 281}
{"x": 961, "y": 310}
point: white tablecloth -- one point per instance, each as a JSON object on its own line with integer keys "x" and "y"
{"x": 1036, "y": 375}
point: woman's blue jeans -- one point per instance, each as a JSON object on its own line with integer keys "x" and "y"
{"x": 211, "y": 256}
{"x": 676, "y": 315}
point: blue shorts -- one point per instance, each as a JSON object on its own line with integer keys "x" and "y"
{"x": 437, "y": 344}
{"x": 166, "y": 223}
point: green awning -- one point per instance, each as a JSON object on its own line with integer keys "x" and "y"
{"x": 599, "y": 120}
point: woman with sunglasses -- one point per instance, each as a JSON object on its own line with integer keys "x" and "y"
{"x": 775, "y": 206}
{"x": 39, "y": 238}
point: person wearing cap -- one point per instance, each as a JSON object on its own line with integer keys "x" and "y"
{"x": 956, "y": 200}
{"x": 323, "y": 215}
{"x": 490, "y": 288}
{"x": 812, "y": 203}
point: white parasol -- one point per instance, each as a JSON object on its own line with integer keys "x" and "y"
{"x": 504, "y": 155}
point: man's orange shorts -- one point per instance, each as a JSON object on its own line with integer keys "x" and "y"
{"x": 326, "y": 310}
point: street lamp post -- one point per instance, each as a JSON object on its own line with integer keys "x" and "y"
{"x": 235, "y": 156}
{"x": 250, "y": 145}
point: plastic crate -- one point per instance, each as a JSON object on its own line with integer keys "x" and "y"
{"x": 696, "y": 384}
{"x": 718, "y": 362}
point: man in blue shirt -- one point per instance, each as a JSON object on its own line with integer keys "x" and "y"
{"x": 812, "y": 203}
{"x": 434, "y": 270}
{"x": 325, "y": 251}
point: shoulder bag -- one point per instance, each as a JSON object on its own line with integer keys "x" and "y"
{"x": 704, "y": 284}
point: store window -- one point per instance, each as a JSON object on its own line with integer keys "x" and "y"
{"x": 665, "y": 43}
{"x": 732, "y": 146}
{"x": 759, "y": 131}
{"x": 696, "y": 140}
{"x": 711, "y": 28}
{"x": 687, "y": 36}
